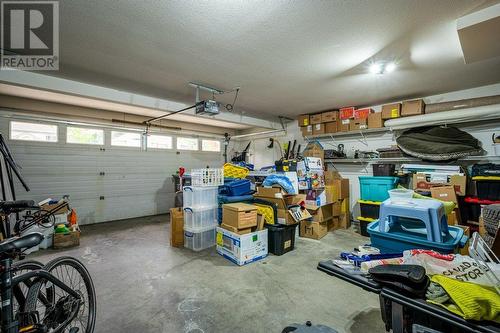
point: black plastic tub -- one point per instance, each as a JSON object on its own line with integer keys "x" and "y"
{"x": 487, "y": 188}
{"x": 280, "y": 238}
{"x": 386, "y": 170}
{"x": 369, "y": 209}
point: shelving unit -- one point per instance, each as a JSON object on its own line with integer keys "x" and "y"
{"x": 364, "y": 132}
{"x": 407, "y": 159}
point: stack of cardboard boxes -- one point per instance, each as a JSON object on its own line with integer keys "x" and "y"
{"x": 241, "y": 218}
{"x": 352, "y": 119}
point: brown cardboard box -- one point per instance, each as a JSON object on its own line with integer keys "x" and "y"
{"x": 331, "y": 127}
{"x": 329, "y": 116}
{"x": 343, "y": 125}
{"x": 236, "y": 230}
{"x": 375, "y": 120}
{"x": 176, "y": 227}
{"x": 344, "y": 221}
{"x": 320, "y": 214}
{"x": 260, "y": 222}
{"x": 307, "y": 130}
{"x": 304, "y": 120}
{"x": 282, "y": 200}
{"x": 457, "y": 181}
{"x": 314, "y": 149}
{"x": 390, "y": 111}
{"x": 465, "y": 250}
{"x": 362, "y": 113}
{"x": 318, "y": 129}
{"x": 335, "y": 208}
{"x": 333, "y": 223}
{"x": 452, "y": 218}
{"x": 340, "y": 186}
{"x": 444, "y": 193}
{"x": 345, "y": 206}
{"x": 315, "y": 118}
{"x": 66, "y": 240}
{"x": 239, "y": 215}
{"x": 413, "y": 108}
{"x": 63, "y": 210}
{"x": 358, "y": 124}
{"x": 314, "y": 230}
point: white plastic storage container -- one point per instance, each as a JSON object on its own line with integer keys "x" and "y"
{"x": 48, "y": 234}
{"x": 200, "y": 217}
{"x": 199, "y": 239}
{"x": 207, "y": 177}
{"x": 197, "y": 197}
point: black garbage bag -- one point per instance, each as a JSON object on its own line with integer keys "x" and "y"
{"x": 438, "y": 143}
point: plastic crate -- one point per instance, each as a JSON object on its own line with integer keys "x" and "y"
{"x": 487, "y": 187}
{"x": 199, "y": 239}
{"x": 383, "y": 169}
{"x": 198, "y": 197}
{"x": 375, "y": 188}
{"x": 281, "y": 238}
{"x": 369, "y": 209}
{"x": 200, "y": 217}
{"x": 235, "y": 171}
{"x": 207, "y": 177}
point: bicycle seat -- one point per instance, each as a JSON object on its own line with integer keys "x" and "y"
{"x": 17, "y": 243}
{"x": 9, "y": 207}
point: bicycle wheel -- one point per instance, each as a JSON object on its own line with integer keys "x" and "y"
{"x": 20, "y": 291}
{"x": 61, "y": 314}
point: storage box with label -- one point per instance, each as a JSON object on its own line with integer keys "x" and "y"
{"x": 444, "y": 193}
{"x": 307, "y": 130}
{"x": 313, "y": 230}
{"x": 331, "y": 127}
{"x": 375, "y": 120}
{"x": 242, "y": 249}
{"x": 315, "y": 118}
{"x": 239, "y": 215}
{"x": 358, "y": 124}
{"x": 390, "y": 111}
{"x": 362, "y": 113}
{"x": 304, "y": 120}
{"x": 413, "y": 108}
{"x": 346, "y": 113}
{"x": 425, "y": 181}
{"x": 343, "y": 125}
{"x": 310, "y": 173}
{"x": 329, "y": 116}
{"x": 318, "y": 129}
{"x": 176, "y": 227}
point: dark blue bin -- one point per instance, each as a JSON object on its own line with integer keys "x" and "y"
{"x": 237, "y": 187}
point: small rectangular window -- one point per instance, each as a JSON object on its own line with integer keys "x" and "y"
{"x": 33, "y": 132}
{"x": 210, "y": 145}
{"x": 159, "y": 141}
{"x": 187, "y": 143}
{"x": 125, "y": 139}
{"x": 85, "y": 136}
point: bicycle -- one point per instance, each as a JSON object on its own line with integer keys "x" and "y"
{"x": 57, "y": 297}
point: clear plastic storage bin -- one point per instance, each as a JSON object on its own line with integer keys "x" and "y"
{"x": 197, "y": 197}
{"x": 200, "y": 217}
{"x": 199, "y": 239}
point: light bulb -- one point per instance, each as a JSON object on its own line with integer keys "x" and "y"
{"x": 376, "y": 68}
{"x": 390, "y": 67}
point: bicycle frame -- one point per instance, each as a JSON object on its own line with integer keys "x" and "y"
{"x": 7, "y": 283}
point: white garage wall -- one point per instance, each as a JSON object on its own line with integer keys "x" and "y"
{"x": 262, "y": 156}
{"x": 135, "y": 183}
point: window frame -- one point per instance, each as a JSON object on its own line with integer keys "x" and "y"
{"x": 33, "y": 123}
{"x": 125, "y": 146}
{"x": 211, "y": 151}
{"x": 187, "y": 137}
{"x": 158, "y": 148}
{"x": 87, "y": 144}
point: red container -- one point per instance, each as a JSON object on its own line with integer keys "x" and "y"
{"x": 362, "y": 113}
{"x": 346, "y": 113}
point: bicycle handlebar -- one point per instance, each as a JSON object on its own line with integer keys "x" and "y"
{"x": 8, "y": 207}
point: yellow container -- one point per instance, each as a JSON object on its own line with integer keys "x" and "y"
{"x": 235, "y": 171}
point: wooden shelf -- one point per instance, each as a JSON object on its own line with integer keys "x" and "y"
{"x": 368, "y": 131}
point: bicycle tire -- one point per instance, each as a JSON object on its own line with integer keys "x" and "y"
{"x": 52, "y": 267}
{"x": 24, "y": 265}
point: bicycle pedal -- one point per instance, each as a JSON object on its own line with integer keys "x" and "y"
{"x": 74, "y": 330}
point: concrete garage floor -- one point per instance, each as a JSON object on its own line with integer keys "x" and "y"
{"x": 144, "y": 285}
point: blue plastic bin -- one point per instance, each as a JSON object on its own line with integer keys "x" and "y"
{"x": 237, "y": 187}
{"x": 375, "y": 188}
{"x": 400, "y": 239}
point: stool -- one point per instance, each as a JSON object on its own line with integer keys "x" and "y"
{"x": 430, "y": 212}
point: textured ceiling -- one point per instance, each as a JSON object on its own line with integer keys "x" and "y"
{"x": 289, "y": 57}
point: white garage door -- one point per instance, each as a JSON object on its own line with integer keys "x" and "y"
{"x": 104, "y": 182}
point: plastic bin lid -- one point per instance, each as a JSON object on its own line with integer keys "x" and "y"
{"x": 202, "y": 229}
